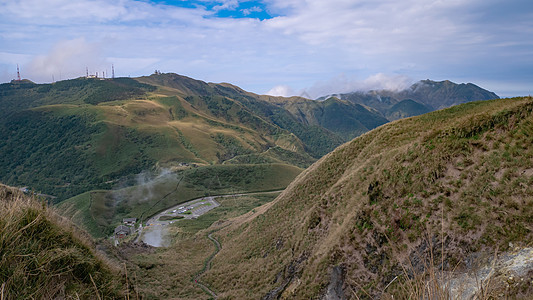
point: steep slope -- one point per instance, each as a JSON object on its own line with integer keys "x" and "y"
{"x": 345, "y": 118}
{"x": 45, "y": 257}
{"x": 445, "y": 189}
{"x": 433, "y": 95}
{"x": 236, "y": 105}
{"x": 406, "y": 108}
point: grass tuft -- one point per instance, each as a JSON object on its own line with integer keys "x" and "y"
{"x": 44, "y": 256}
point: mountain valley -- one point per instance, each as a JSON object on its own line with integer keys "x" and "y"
{"x": 353, "y": 196}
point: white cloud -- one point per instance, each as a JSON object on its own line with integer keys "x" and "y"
{"x": 57, "y": 11}
{"x": 227, "y": 4}
{"x": 311, "y": 41}
{"x": 68, "y": 59}
{"x": 382, "y": 81}
{"x": 248, "y": 11}
{"x": 345, "y": 84}
{"x": 281, "y": 90}
{"x": 371, "y": 26}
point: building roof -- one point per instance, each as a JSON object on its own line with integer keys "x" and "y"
{"x": 122, "y": 228}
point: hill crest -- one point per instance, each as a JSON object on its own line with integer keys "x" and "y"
{"x": 457, "y": 179}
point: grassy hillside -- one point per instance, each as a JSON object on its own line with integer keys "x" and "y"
{"x": 236, "y": 105}
{"x": 446, "y": 189}
{"x": 46, "y": 257}
{"x": 54, "y": 139}
{"x": 73, "y": 136}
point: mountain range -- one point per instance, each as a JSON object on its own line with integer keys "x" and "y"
{"x": 421, "y": 97}
{"x": 75, "y": 135}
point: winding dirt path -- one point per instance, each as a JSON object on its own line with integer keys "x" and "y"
{"x": 207, "y": 265}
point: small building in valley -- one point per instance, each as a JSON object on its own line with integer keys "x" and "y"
{"x": 129, "y": 221}
{"x": 122, "y": 231}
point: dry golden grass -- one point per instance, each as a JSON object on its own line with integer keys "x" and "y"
{"x": 43, "y": 256}
{"x": 463, "y": 170}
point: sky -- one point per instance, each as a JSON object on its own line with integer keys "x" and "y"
{"x": 278, "y": 47}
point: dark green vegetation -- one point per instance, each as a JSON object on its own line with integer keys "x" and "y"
{"x": 43, "y": 256}
{"x": 406, "y": 108}
{"x": 345, "y": 118}
{"x": 78, "y": 135}
{"x": 441, "y": 190}
{"x": 421, "y": 97}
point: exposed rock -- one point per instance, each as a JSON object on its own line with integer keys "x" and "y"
{"x": 334, "y": 290}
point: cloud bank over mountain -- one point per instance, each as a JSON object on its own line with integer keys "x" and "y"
{"x": 263, "y": 44}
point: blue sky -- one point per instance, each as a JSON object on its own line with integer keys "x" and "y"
{"x": 281, "y": 47}
{"x": 225, "y": 9}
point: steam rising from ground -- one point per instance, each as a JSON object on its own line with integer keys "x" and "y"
{"x": 68, "y": 59}
{"x": 146, "y": 185}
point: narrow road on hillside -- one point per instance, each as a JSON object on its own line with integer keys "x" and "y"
{"x": 207, "y": 265}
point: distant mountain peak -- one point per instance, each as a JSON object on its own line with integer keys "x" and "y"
{"x": 428, "y": 94}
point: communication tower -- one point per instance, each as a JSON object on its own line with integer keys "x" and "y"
{"x": 18, "y": 73}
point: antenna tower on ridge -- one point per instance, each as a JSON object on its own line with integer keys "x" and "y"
{"x": 87, "y": 71}
{"x": 112, "y": 71}
{"x": 18, "y": 73}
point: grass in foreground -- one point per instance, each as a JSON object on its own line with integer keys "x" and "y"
{"x": 44, "y": 257}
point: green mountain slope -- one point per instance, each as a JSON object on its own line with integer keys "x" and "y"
{"x": 406, "y": 108}
{"x": 46, "y": 257}
{"x": 76, "y": 135}
{"x": 342, "y": 117}
{"x": 445, "y": 189}
{"x": 236, "y": 105}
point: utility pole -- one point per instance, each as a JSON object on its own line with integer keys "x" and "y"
{"x": 18, "y": 73}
